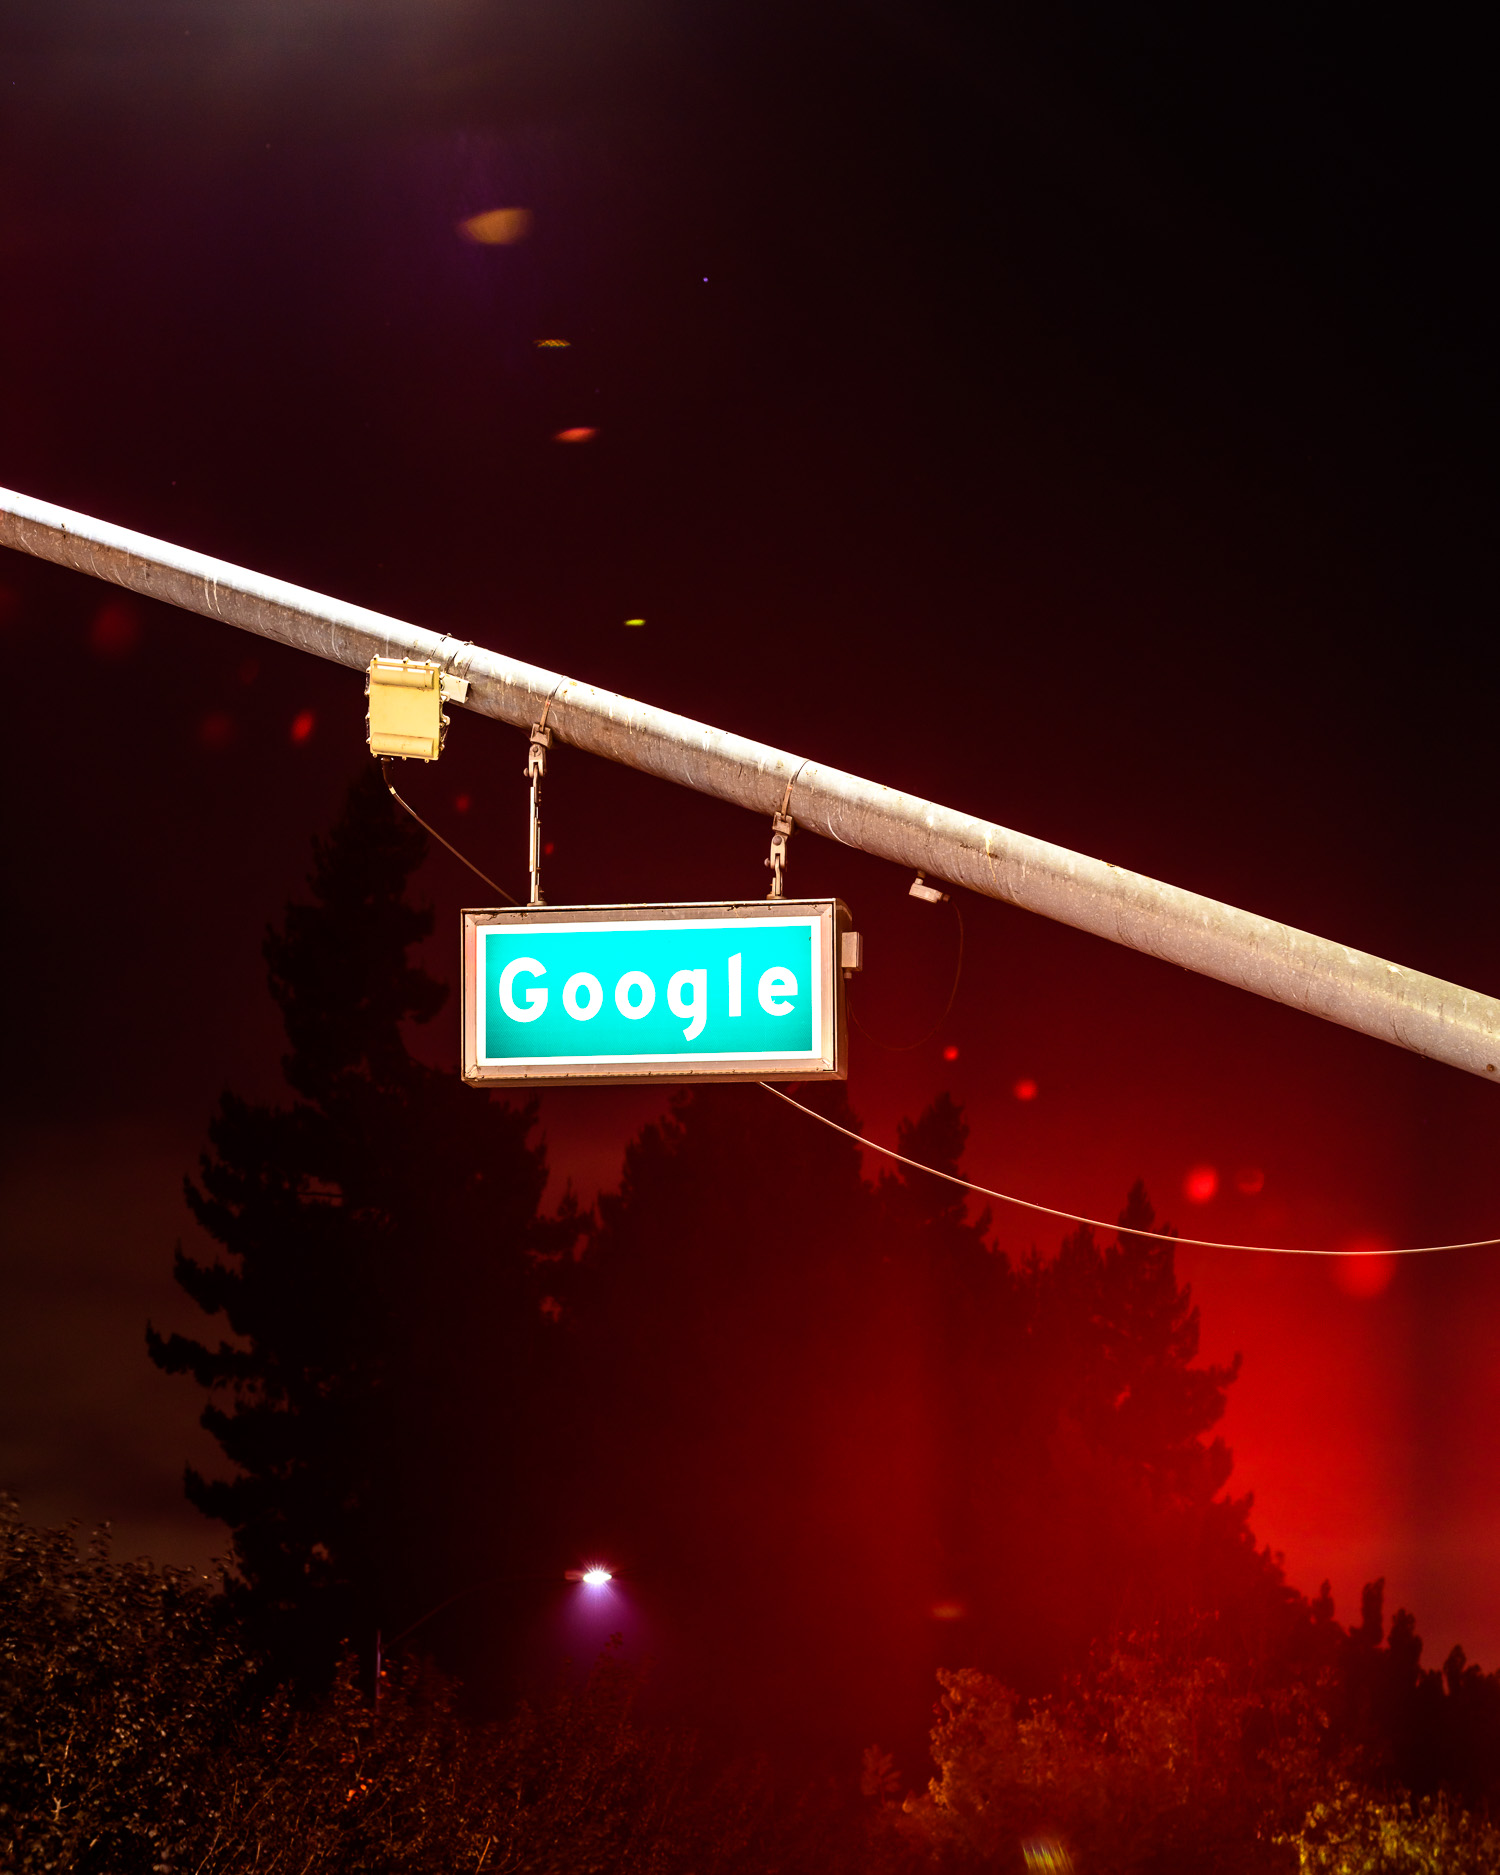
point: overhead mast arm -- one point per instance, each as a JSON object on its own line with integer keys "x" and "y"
{"x": 1414, "y": 1011}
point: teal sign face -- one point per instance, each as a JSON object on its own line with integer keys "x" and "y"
{"x": 652, "y": 992}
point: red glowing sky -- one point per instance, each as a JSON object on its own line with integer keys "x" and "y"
{"x": 1079, "y": 454}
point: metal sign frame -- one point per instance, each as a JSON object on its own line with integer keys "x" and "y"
{"x": 828, "y": 1060}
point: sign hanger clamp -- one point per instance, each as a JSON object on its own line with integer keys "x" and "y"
{"x": 782, "y": 829}
{"x": 536, "y": 769}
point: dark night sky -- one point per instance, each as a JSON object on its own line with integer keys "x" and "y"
{"x": 1079, "y": 415}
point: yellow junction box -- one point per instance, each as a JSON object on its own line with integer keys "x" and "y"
{"x": 405, "y": 709}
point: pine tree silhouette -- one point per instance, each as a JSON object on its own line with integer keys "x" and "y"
{"x": 388, "y": 1284}
{"x": 851, "y": 1442}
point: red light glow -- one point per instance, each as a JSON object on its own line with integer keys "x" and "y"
{"x": 303, "y": 724}
{"x": 580, "y": 435}
{"x": 1365, "y": 1269}
{"x": 1201, "y": 1184}
{"x": 950, "y": 1053}
{"x": 116, "y": 630}
{"x": 216, "y": 731}
{"x": 1025, "y": 1090}
{"x": 462, "y": 803}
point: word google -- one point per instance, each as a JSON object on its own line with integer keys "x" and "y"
{"x": 635, "y": 993}
{"x": 667, "y": 990}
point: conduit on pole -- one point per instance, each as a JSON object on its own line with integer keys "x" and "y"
{"x": 1384, "y": 1000}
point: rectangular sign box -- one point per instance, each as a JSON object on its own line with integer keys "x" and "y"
{"x": 618, "y": 993}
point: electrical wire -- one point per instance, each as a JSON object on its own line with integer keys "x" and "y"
{"x": 905, "y": 1048}
{"x": 1074, "y": 1217}
{"x": 386, "y": 776}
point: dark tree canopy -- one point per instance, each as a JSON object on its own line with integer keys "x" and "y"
{"x": 846, "y": 1441}
{"x": 832, "y": 1439}
{"x": 382, "y": 1389}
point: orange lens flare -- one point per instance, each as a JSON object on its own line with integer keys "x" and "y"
{"x": 497, "y": 227}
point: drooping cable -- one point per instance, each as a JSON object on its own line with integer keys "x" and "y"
{"x": 905, "y": 1048}
{"x": 1074, "y": 1217}
{"x": 386, "y": 775}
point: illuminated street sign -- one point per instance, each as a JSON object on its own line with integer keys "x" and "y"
{"x": 655, "y": 992}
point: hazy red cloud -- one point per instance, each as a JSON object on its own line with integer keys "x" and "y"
{"x": 116, "y": 629}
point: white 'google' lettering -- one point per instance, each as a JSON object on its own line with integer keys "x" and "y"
{"x": 583, "y": 996}
{"x": 536, "y": 1000}
{"x": 776, "y": 982}
{"x": 687, "y": 994}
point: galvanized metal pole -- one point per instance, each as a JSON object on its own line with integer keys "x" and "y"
{"x": 1417, "y": 1012}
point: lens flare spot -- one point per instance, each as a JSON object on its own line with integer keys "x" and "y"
{"x": 1201, "y": 1184}
{"x": 948, "y": 1611}
{"x": 497, "y": 227}
{"x": 1046, "y": 1855}
{"x": 548, "y": 849}
{"x": 1025, "y": 1090}
{"x": 462, "y": 803}
{"x": 581, "y": 434}
{"x": 249, "y": 670}
{"x": 950, "y": 1053}
{"x": 216, "y": 731}
{"x": 1365, "y": 1269}
{"x": 303, "y": 724}
{"x": 10, "y": 604}
{"x": 1250, "y": 1180}
{"x": 116, "y": 629}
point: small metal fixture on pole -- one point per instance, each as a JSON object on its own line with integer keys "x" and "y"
{"x": 404, "y": 709}
{"x": 1406, "y": 1007}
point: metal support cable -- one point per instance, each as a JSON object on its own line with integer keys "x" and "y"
{"x": 905, "y": 1048}
{"x": 385, "y": 772}
{"x": 1393, "y": 1004}
{"x": 1121, "y": 1230}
